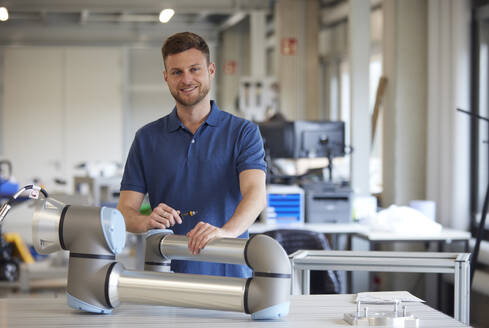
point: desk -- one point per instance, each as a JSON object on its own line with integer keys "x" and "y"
{"x": 305, "y": 311}
{"x": 329, "y": 228}
{"x": 444, "y": 236}
{"x": 364, "y": 231}
{"x": 457, "y": 264}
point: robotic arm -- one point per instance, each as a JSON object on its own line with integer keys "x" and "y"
{"x": 97, "y": 283}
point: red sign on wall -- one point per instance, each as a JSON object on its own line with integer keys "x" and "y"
{"x": 230, "y": 67}
{"x": 288, "y": 46}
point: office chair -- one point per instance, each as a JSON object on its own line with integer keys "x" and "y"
{"x": 322, "y": 282}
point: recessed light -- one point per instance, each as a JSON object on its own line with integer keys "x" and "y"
{"x": 166, "y": 15}
{"x": 3, "y": 14}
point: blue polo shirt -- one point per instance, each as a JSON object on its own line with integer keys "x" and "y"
{"x": 195, "y": 172}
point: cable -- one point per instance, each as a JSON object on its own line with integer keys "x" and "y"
{"x": 8, "y": 204}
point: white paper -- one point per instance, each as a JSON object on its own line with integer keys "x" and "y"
{"x": 403, "y": 220}
{"x": 386, "y": 297}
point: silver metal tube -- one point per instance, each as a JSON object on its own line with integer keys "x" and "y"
{"x": 224, "y": 250}
{"x": 185, "y": 290}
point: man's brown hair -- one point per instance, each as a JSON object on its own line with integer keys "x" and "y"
{"x": 181, "y": 42}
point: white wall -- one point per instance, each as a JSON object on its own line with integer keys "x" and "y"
{"x": 61, "y": 106}
{"x": 33, "y": 111}
{"x": 147, "y": 95}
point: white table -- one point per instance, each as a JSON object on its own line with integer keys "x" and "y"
{"x": 330, "y": 228}
{"x": 364, "y": 231}
{"x": 457, "y": 264}
{"x": 446, "y": 235}
{"x": 306, "y": 311}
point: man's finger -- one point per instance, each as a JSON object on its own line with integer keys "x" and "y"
{"x": 159, "y": 211}
{"x": 170, "y": 218}
{"x": 154, "y": 224}
{"x": 197, "y": 233}
{"x": 179, "y": 218}
{"x": 195, "y": 230}
{"x": 209, "y": 236}
{"x": 203, "y": 237}
{"x": 174, "y": 214}
{"x": 164, "y": 216}
{"x": 158, "y": 218}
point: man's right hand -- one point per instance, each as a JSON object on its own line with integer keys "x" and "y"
{"x": 163, "y": 216}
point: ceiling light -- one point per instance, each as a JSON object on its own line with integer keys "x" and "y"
{"x": 166, "y": 15}
{"x": 3, "y": 14}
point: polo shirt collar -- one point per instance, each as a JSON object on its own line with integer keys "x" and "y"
{"x": 173, "y": 121}
{"x": 214, "y": 115}
{"x": 212, "y": 120}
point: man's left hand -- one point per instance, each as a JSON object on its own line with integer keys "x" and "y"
{"x": 201, "y": 234}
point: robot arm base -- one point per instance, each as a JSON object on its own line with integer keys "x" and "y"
{"x": 78, "y": 304}
{"x": 274, "y": 312}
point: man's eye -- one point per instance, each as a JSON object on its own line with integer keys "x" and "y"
{"x": 195, "y": 69}
{"x": 176, "y": 72}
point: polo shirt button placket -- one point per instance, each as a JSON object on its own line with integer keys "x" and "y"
{"x": 192, "y": 142}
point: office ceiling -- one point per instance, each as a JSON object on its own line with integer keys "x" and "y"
{"x": 118, "y": 21}
{"x": 126, "y": 11}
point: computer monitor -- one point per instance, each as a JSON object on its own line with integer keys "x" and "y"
{"x": 304, "y": 139}
{"x": 278, "y": 139}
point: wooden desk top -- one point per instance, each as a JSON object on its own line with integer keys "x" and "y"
{"x": 306, "y": 311}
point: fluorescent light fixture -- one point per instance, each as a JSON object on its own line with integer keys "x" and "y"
{"x": 3, "y": 14}
{"x": 166, "y": 15}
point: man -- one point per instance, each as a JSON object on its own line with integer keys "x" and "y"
{"x": 198, "y": 158}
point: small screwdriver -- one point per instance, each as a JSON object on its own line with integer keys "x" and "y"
{"x": 189, "y": 213}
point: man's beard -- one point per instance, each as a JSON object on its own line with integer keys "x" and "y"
{"x": 203, "y": 91}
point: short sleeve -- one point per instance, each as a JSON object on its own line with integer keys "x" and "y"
{"x": 134, "y": 177}
{"x": 251, "y": 154}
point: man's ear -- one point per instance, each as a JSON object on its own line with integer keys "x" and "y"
{"x": 165, "y": 75}
{"x": 212, "y": 69}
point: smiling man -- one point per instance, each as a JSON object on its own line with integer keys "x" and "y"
{"x": 196, "y": 158}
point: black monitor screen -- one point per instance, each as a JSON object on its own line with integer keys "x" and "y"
{"x": 278, "y": 138}
{"x": 304, "y": 139}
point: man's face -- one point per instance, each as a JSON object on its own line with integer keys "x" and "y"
{"x": 188, "y": 76}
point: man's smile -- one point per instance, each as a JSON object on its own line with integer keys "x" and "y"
{"x": 188, "y": 89}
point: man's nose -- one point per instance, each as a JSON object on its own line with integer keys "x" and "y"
{"x": 187, "y": 77}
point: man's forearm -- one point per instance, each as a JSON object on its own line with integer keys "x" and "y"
{"x": 246, "y": 212}
{"x": 253, "y": 190}
{"x": 133, "y": 219}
